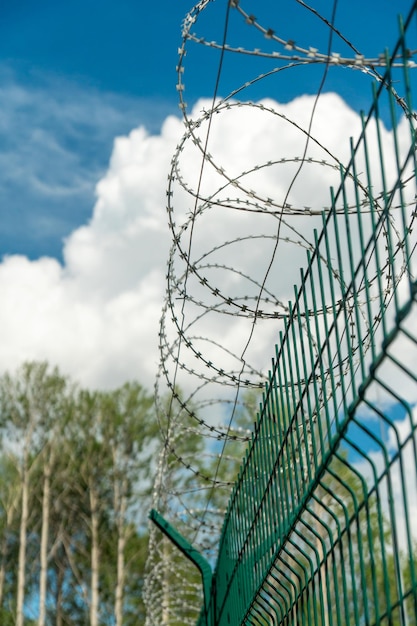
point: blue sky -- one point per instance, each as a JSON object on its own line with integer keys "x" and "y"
{"x": 89, "y": 121}
{"x": 75, "y": 75}
{"x": 72, "y": 77}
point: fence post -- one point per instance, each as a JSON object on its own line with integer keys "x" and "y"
{"x": 193, "y": 555}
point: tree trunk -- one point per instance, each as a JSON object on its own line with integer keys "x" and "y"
{"x": 94, "y": 558}
{"x": 22, "y": 549}
{"x": 58, "y": 595}
{"x": 121, "y": 543}
{"x": 3, "y": 566}
{"x": 44, "y": 544}
{"x": 4, "y": 548}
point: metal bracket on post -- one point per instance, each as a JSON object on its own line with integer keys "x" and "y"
{"x": 191, "y": 553}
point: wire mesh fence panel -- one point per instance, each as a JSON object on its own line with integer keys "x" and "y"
{"x": 321, "y": 527}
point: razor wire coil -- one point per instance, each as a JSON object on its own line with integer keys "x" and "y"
{"x": 200, "y": 282}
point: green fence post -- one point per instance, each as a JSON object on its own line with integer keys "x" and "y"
{"x": 193, "y": 555}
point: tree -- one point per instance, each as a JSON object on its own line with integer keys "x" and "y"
{"x": 111, "y": 442}
{"x": 129, "y": 428}
{"x": 30, "y": 403}
{"x": 9, "y": 510}
{"x": 76, "y": 475}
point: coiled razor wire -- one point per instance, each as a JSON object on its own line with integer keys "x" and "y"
{"x": 224, "y": 309}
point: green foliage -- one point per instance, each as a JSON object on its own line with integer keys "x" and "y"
{"x": 71, "y": 444}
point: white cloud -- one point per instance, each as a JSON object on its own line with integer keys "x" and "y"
{"x": 97, "y": 315}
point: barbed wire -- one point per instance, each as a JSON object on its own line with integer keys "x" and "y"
{"x": 223, "y": 206}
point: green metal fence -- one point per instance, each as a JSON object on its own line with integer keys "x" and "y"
{"x": 321, "y": 524}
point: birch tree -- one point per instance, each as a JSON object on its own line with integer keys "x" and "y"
{"x": 29, "y": 401}
{"x": 111, "y": 443}
{"x": 9, "y": 510}
{"x": 129, "y": 427}
{"x": 73, "y": 491}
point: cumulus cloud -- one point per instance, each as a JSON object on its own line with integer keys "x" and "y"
{"x": 96, "y": 314}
